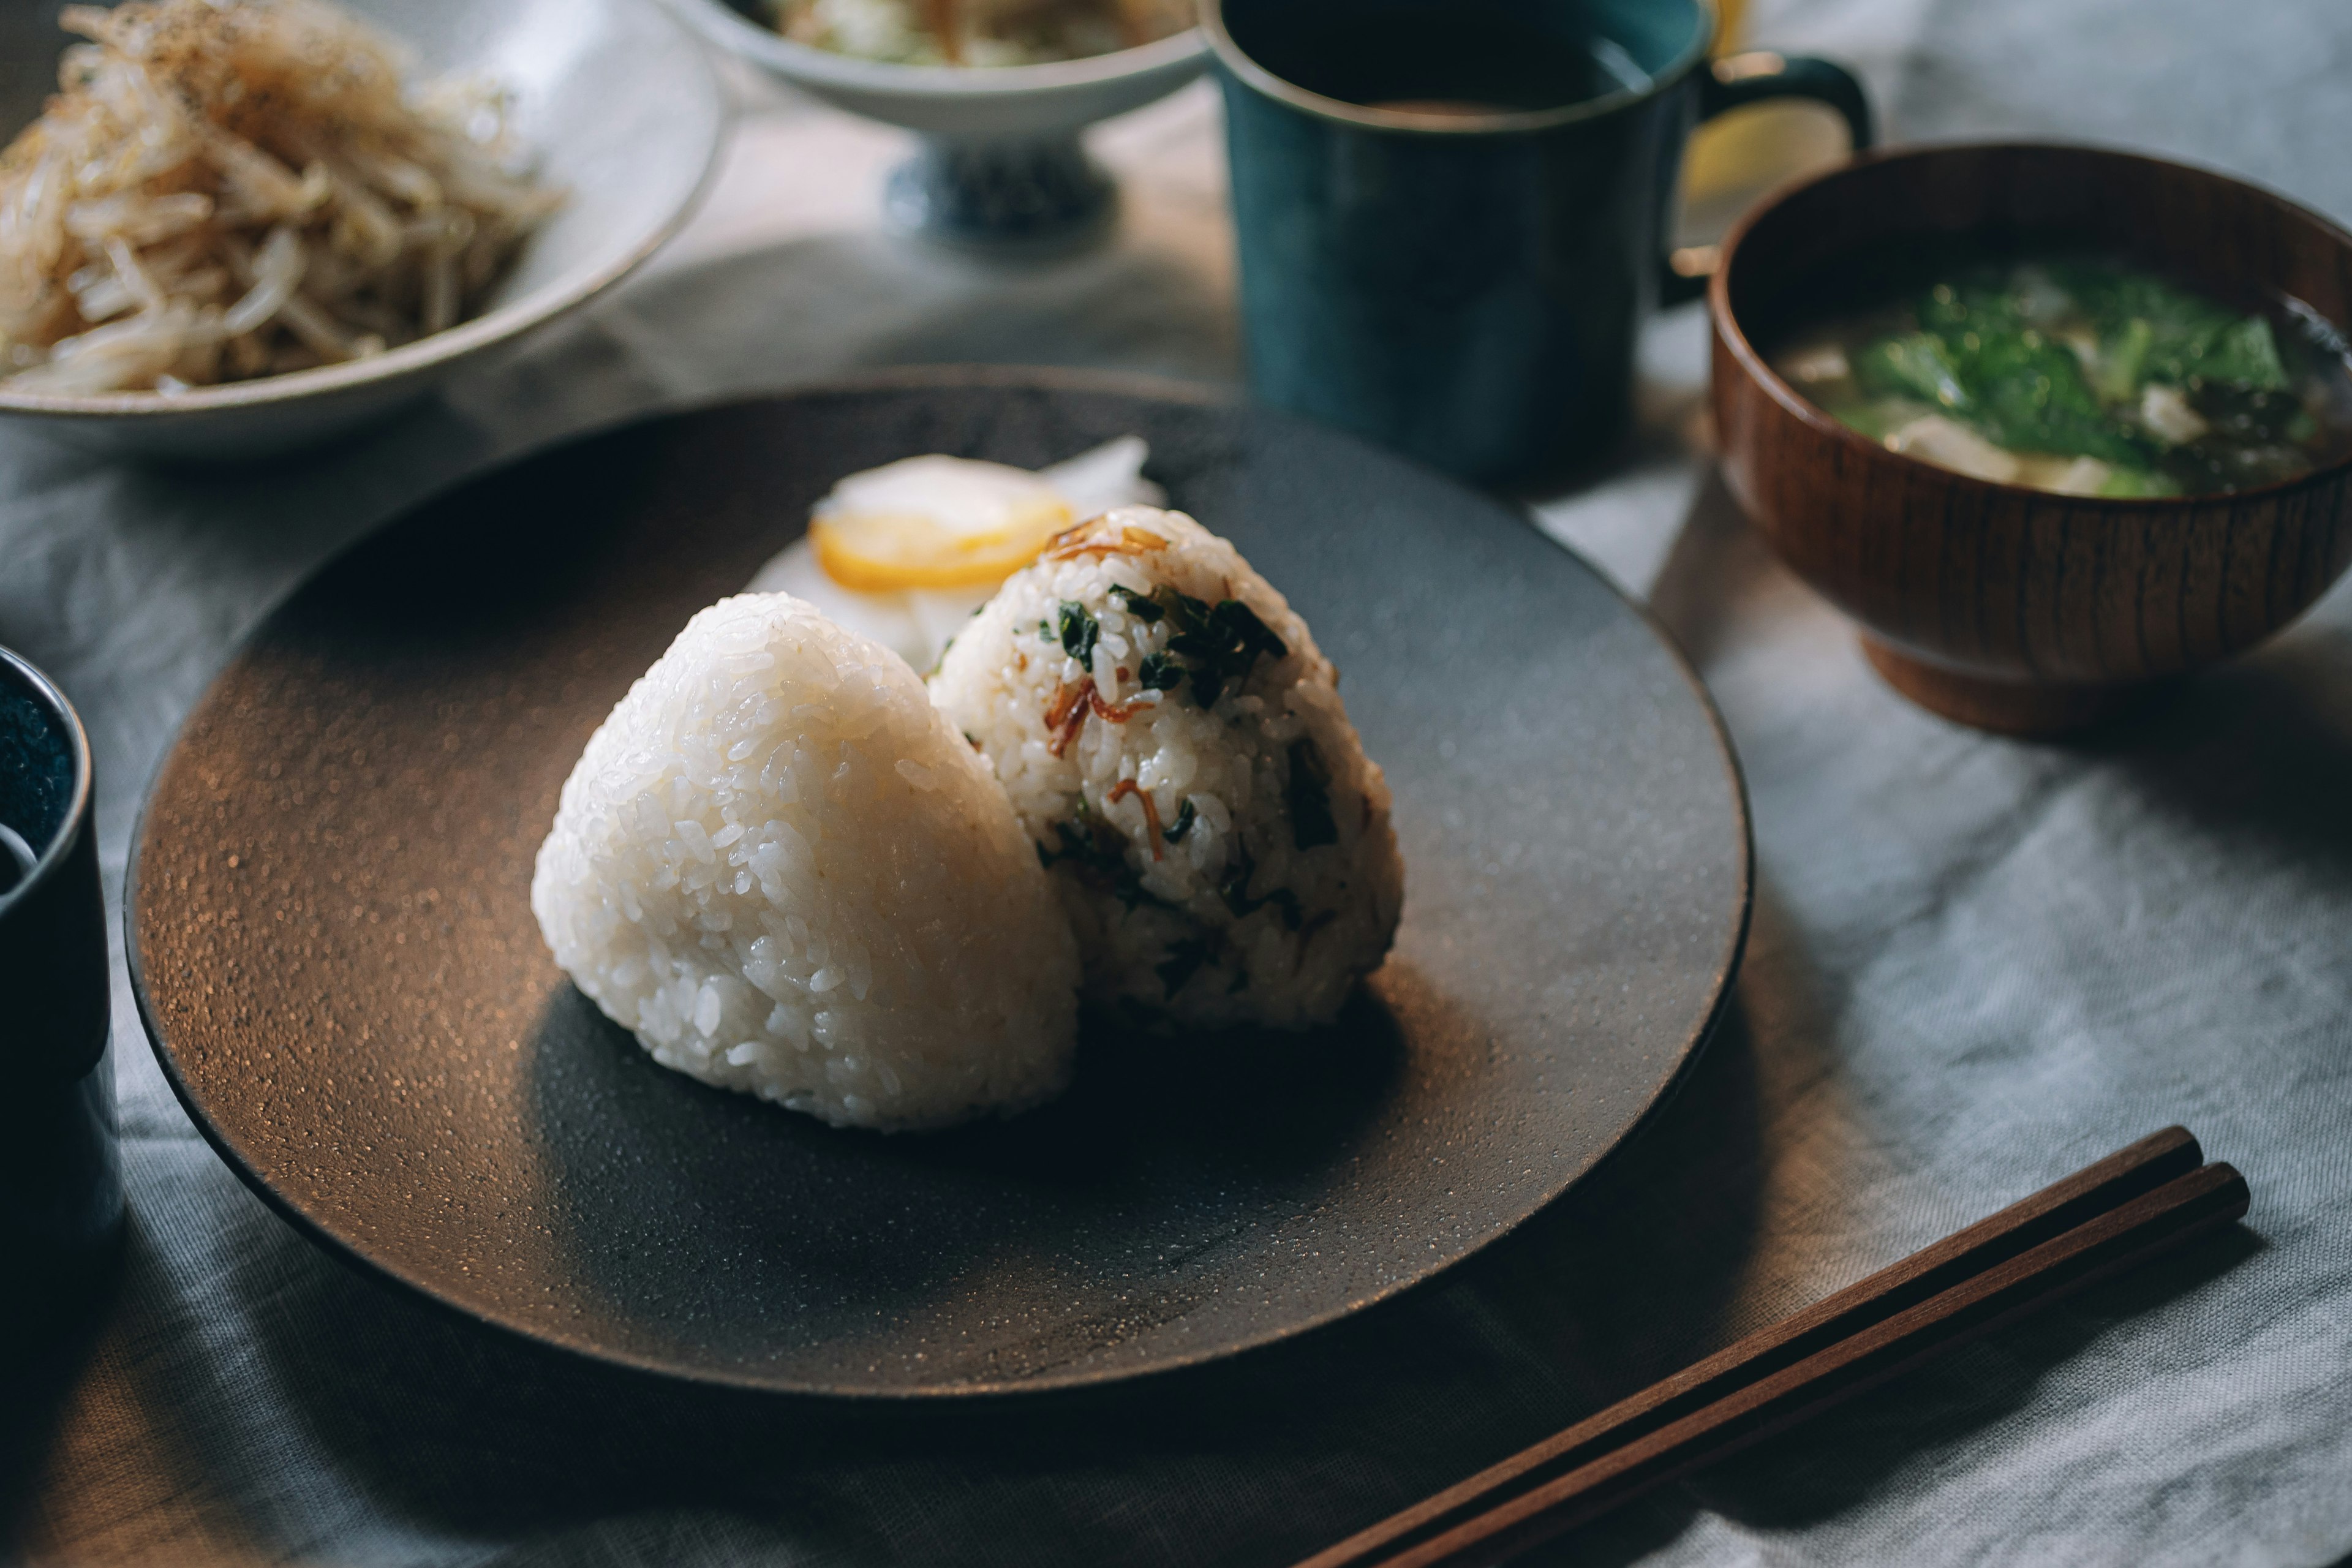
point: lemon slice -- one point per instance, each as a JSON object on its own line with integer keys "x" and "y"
{"x": 935, "y": 522}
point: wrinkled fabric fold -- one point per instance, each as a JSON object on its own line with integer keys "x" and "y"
{"x": 1976, "y": 964}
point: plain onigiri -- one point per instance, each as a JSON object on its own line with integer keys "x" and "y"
{"x": 1175, "y": 743}
{"x": 784, "y": 871}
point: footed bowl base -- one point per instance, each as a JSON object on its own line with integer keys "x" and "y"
{"x": 1028, "y": 196}
{"x": 2026, "y": 708}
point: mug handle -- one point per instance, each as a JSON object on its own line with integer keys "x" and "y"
{"x": 1756, "y": 77}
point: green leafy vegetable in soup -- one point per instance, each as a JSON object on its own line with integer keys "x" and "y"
{"x": 2083, "y": 378}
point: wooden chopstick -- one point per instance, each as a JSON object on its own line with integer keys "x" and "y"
{"x": 2102, "y": 1218}
{"x": 2055, "y": 1209}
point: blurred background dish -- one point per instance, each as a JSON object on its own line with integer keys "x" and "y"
{"x": 2006, "y": 607}
{"x": 999, "y": 166}
{"x": 975, "y": 33}
{"x": 624, "y": 114}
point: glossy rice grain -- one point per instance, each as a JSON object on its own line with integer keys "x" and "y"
{"x": 1176, "y": 745}
{"x": 781, "y": 868}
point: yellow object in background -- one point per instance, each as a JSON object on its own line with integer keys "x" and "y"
{"x": 935, "y": 522}
{"x": 884, "y": 552}
{"x": 1734, "y": 159}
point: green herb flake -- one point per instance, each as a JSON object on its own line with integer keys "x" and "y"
{"x": 1916, "y": 365}
{"x": 1235, "y": 888}
{"x": 2246, "y": 353}
{"x": 2122, "y": 363}
{"x": 1159, "y": 672}
{"x": 1143, "y": 606}
{"x": 2129, "y": 484}
{"x": 1216, "y": 645}
{"x": 1184, "y": 822}
{"x": 1129, "y": 889}
{"x": 1310, "y": 798}
{"x": 1245, "y": 634}
{"x": 1095, "y": 853}
{"x": 1184, "y": 960}
{"x": 1185, "y": 613}
{"x": 1079, "y": 631}
{"x": 1235, "y": 891}
{"x": 1083, "y": 850}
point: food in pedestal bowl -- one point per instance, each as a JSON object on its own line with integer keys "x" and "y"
{"x": 979, "y": 32}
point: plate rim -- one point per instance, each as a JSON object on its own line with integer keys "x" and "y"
{"x": 920, "y": 378}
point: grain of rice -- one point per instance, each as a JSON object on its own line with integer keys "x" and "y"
{"x": 1282, "y": 886}
{"x": 747, "y": 871}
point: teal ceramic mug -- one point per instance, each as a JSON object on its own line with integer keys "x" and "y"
{"x": 1452, "y": 214}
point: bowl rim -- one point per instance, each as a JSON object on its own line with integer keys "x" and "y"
{"x": 507, "y": 321}
{"x": 1245, "y": 68}
{"x": 727, "y": 28}
{"x": 1733, "y": 334}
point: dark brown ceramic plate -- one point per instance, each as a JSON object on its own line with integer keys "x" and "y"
{"x": 334, "y": 954}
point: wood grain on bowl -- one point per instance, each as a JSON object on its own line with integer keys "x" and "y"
{"x": 2003, "y": 607}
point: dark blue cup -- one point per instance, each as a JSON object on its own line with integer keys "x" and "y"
{"x": 1452, "y": 214}
{"x": 60, "y": 1171}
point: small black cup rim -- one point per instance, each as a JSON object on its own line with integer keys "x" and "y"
{"x": 1245, "y": 68}
{"x": 15, "y": 669}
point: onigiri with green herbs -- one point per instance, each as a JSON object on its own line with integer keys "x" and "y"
{"x": 1175, "y": 746}
{"x": 783, "y": 870}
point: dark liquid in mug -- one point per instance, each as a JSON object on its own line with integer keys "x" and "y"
{"x": 1455, "y": 60}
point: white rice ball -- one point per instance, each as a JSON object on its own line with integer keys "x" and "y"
{"x": 782, "y": 868}
{"x": 1175, "y": 743}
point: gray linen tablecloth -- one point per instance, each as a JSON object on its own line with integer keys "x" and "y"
{"x": 1976, "y": 964}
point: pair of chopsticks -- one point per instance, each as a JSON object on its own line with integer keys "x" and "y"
{"x": 2101, "y": 1220}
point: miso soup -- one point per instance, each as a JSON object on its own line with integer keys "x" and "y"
{"x": 2085, "y": 377}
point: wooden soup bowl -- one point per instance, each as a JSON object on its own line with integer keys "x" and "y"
{"x": 1998, "y": 607}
